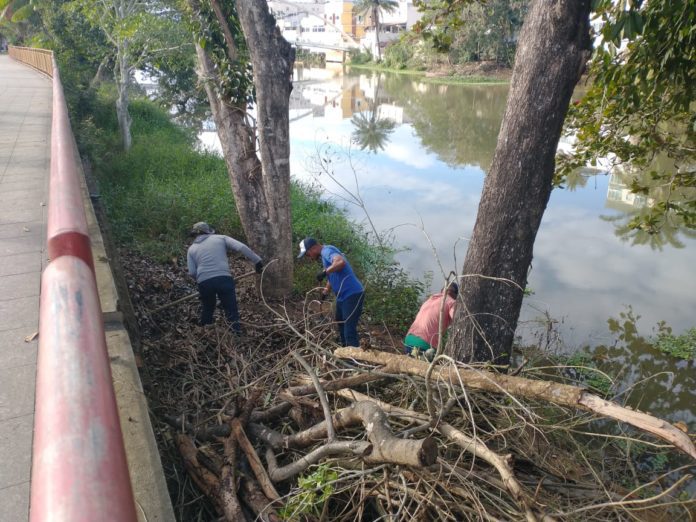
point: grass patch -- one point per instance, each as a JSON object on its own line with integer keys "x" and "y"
{"x": 440, "y": 80}
{"x": 156, "y": 191}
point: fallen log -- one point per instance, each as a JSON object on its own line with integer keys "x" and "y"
{"x": 232, "y": 508}
{"x": 255, "y": 499}
{"x": 561, "y": 394}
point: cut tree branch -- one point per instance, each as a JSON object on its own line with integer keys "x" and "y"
{"x": 386, "y": 447}
{"x": 474, "y": 446}
{"x": 331, "y": 449}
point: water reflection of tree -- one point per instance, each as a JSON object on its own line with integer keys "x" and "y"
{"x": 654, "y": 216}
{"x": 458, "y": 123}
{"x": 641, "y": 375}
{"x": 372, "y": 132}
{"x": 648, "y": 379}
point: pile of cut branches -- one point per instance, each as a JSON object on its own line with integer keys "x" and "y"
{"x": 284, "y": 425}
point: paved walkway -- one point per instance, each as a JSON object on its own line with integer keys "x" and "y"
{"x": 25, "y": 129}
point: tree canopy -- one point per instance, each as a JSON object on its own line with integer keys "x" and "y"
{"x": 638, "y": 108}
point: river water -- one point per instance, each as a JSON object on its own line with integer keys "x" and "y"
{"x": 419, "y": 178}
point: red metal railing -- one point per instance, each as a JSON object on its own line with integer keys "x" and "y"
{"x": 79, "y": 468}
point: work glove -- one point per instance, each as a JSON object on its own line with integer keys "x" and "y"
{"x": 321, "y": 275}
{"x": 258, "y": 267}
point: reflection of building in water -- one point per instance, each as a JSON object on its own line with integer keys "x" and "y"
{"x": 340, "y": 97}
{"x": 620, "y": 197}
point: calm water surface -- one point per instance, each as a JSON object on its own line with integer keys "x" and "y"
{"x": 425, "y": 184}
{"x": 420, "y": 175}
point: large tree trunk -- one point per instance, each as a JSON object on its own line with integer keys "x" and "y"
{"x": 272, "y": 60}
{"x": 261, "y": 186}
{"x": 553, "y": 47}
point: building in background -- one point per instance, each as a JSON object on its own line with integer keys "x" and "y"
{"x": 335, "y": 25}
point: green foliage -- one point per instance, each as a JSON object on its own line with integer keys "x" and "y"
{"x": 640, "y": 105}
{"x": 156, "y": 191}
{"x": 235, "y": 75}
{"x": 679, "y": 346}
{"x": 472, "y": 31}
{"x": 359, "y": 56}
{"x": 312, "y": 492}
{"x": 583, "y": 368}
{"x": 19, "y": 20}
{"x": 411, "y": 52}
{"x": 367, "y": 6}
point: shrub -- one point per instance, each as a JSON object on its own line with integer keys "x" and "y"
{"x": 360, "y": 56}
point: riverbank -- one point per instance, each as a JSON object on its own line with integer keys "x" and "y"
{"x": 203, "y": 378}
{"x": 164, "y": 184}
{"x": 474, "y": 73}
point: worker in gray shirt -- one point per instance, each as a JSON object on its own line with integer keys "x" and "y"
{"x": 207, "y": 262}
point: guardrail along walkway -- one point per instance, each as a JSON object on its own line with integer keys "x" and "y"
{"x": 25, "y": 127}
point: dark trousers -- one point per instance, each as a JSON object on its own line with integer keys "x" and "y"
{"x": 347, "y": 316}
{"x": 222, "y": 287}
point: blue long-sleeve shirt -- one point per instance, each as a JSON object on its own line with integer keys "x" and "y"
{"x": 344, "y": 283}
{"x": 207, "y": 256}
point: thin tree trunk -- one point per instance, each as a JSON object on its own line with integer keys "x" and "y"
{"x": 375, "y": 14}
{"x": 553, "y": 47}
{"x": 122, "y": 102}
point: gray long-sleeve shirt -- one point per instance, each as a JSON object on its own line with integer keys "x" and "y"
{"x": 207, "y": 256}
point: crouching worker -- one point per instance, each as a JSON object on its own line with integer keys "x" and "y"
{"x": 430, "y": 323}
{"x": 349, "y": 291}
{"x": 208, "y": 264}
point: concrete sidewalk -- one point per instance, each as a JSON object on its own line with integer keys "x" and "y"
{"x": 25, "y": 147}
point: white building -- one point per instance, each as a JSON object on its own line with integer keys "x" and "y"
{"x": 391, "y": 26}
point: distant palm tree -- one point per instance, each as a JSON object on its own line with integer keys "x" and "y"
{"x": 374, "y": 7}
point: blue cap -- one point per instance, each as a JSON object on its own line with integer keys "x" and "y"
{"x": 305, "y": 245}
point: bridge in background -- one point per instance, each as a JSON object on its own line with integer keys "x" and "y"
{"x": 65, "y": 454}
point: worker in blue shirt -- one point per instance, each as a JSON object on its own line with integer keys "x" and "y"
{"x": 349, "y": 291}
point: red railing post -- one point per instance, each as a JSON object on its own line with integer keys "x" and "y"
{"x": 79, "y": 469}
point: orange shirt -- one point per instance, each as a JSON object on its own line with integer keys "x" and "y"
{"x": 427, "y": 321}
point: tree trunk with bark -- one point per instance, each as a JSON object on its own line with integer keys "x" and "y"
{"x": 375, "y": 15}
{"x": 272, "y": 59}
{"x": 122, "y": 73}
{"x": 553, "y": 46}
{"x": 260, "y": 178}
